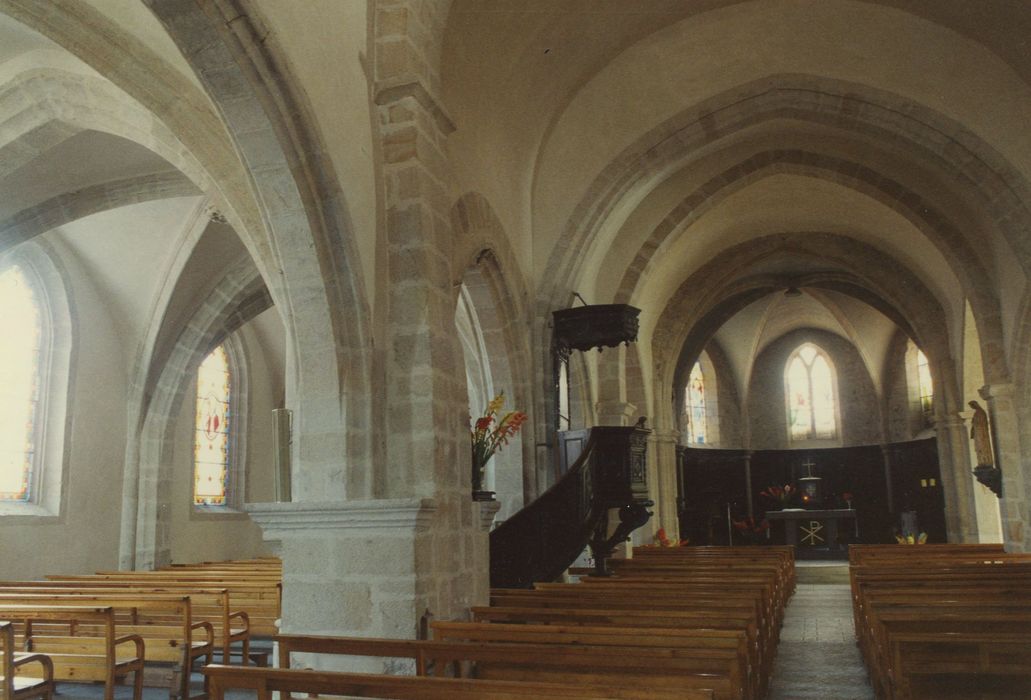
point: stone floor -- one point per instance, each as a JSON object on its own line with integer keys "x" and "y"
{"x": 95, "y": 691}
{"x": 817, "y": 658}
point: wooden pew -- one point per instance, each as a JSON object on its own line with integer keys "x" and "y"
{"x": 951, "y": 621}
{"x": 970, "y": 645}
{"x": 619, "y": 667}
{"x": 868, "y": 553}
{"x": 930, "y": 575}
{"x": 782, "y": 555}
{"x": 213, "y": 605}
{"x": 164, "y": 623}
{"x": 712, "y": 570}
{"x": 641, "y": 588}
{"x": 16, "y": 686}
{"x": 264, "y": 681}
{"x": 577, "y": 597}
{"x": 91, "y": 658}
{"x": 644, "y": 638}
{"x": 760, "y": 658}
{"x": 971, "y": 664}
{"x": 258, "y": 597}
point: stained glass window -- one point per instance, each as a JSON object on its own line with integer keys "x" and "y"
{"x": 923, "y": 373}
{"x": 214, "y": 419}
{"x": 811, "y": 403}
{"x": 695, "y": 405}
{"x": 20, "y": 350}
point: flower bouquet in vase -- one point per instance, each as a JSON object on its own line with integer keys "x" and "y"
{"x": 489, "y": 434}
{"x": 781, "y": 495}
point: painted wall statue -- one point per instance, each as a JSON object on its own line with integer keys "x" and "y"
{"x": 980, "y": 433}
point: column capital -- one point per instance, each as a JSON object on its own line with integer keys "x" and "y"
{"x": 395, "y": 90}
{"x": 488, "y": 510}
{"x": 1001, "y": 390}
{"x": 664, "y": 436}
{"x": 949, "y": 420}
{"x": 279, "y": 520}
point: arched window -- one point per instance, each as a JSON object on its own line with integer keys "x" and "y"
{"x": 214, "y": 421}
{"x": 478, "y": 380}
{"x": 812, "y": 405}
{"x": 695, "y": 406}
{"x": 923, "y": 374}
{"x": 21, "y": 379}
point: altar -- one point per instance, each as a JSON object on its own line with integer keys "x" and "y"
{"x": 815, "y": 533}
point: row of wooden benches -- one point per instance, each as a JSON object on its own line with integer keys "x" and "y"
{"x": 943, "y": 621}
{"x": 687, "y": 623}
{"x": 102, "y": 627}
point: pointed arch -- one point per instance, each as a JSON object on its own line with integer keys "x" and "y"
{"x": 811, "y": 392}
{"x": 36, "y": 361}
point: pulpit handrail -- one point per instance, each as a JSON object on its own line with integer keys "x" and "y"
{"x": 543, "y": 539}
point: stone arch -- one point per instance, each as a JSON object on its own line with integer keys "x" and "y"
{"x": 689, "y": 318}
{"x": 950, "y": 241}
{"x": 889, "y": 118}
{"x": 850, "y": 174}
{"x": 69, "y": 207}
{"x": 302, "y": 206}
{"x": 483, "y": 259}
{"x": 62, "y": 102}
{"x": 238, "y": 297}
{"x": 295, "y": 226}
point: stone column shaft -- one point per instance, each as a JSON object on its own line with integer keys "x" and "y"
{"x": 957, "y": 482}
{"x": 664, "y": 454}
{"x": 1006, "y": 441}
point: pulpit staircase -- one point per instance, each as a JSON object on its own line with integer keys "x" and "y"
{"x": 543, "y": 539}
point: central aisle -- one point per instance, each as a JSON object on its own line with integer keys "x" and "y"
{"x": 817, "y": 656}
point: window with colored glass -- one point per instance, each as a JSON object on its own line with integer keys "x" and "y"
{"x": 695, "y": 405}
{"x": 211, "y": 451}
{"x": 20, "y": 369}
{"x": 812, "y": 405}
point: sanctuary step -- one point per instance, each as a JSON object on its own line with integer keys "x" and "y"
{"x": 821, "y": 572}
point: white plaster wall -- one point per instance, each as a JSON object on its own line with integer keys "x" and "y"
{"x": 325, "y": 41}
{"x": 84, "y": 537}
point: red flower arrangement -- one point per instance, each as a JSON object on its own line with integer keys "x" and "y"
{"x": 663, "y": 540}
{"x": 750, "y": 529}
{"x": 780, "y": 494}
{"x": 489, "y": 434}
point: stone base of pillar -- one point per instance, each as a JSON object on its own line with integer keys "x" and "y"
{"x": 373, "y": 568}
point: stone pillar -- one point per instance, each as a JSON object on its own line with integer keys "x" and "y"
{"x": 746, "y": 462}
{"x": 663, "y": 453}
{"x": 422, "y": 408}
{"x": 612, "y": 407}
{"x": 373, "y": 567}
{"x": 888, "y": 454}
{"x": 614, "y": 412}
{"x": 1006, "y": 441}
{"x": 986, "y": 503}
{"x": 368, "y": 568}
{"x": 957, "y": 482}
